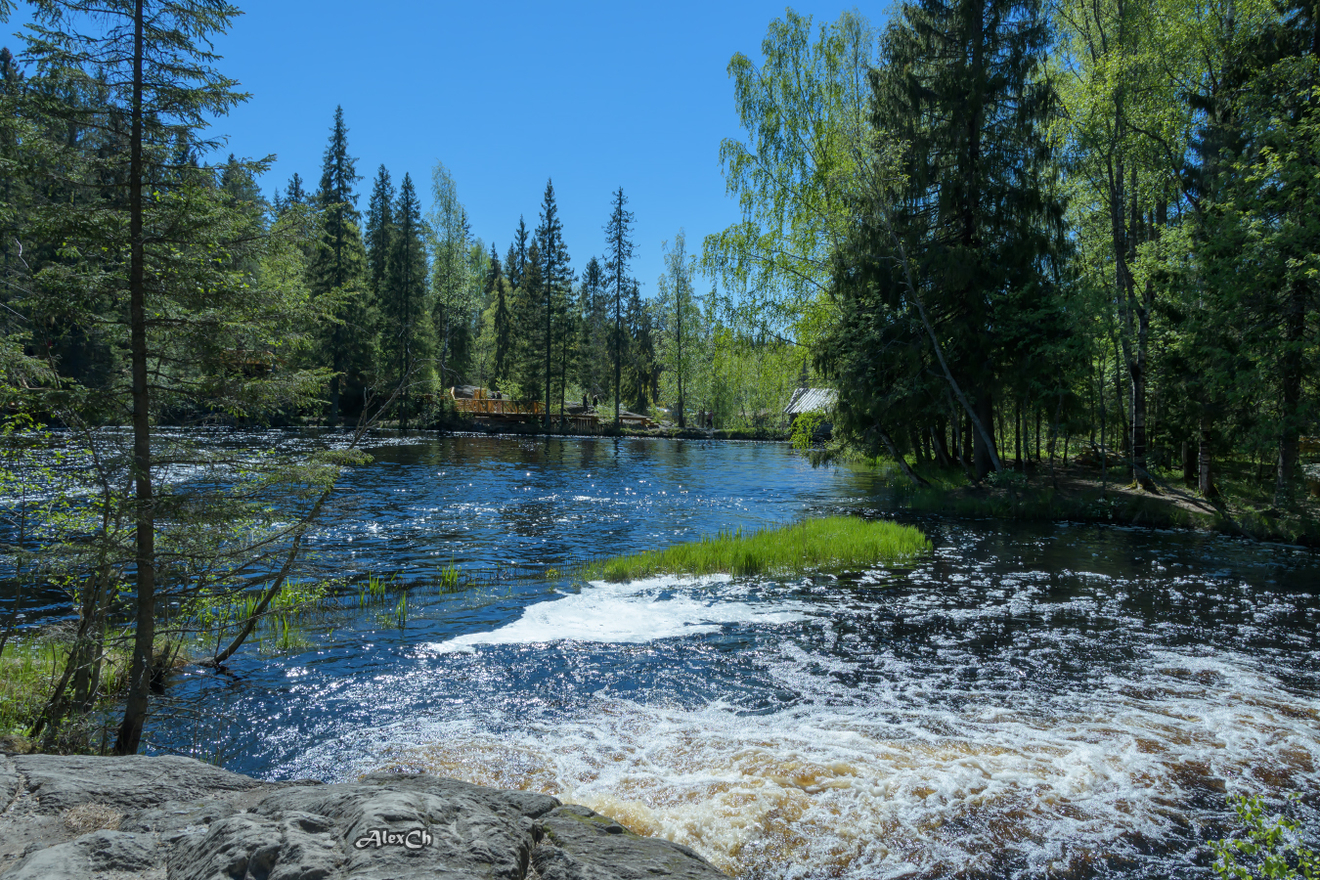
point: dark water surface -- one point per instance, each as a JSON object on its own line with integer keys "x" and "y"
{"x": 1027, "y": 701}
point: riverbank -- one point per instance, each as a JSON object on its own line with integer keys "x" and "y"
{"x": 145, "y": 817}
{"x": 1081, "y": 493}
{"x": 454, "y": 424}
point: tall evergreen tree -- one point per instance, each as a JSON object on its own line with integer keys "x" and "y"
{"x": 405, "y": 296}
{"x": 379, "y": 231}
{"x": 619, "y": 250}
{"x": 556, "y": 281}
{"x": 451, "y": 279}
{"x": 338, "y": 269}
{"x": 515, "y": 263}
{"x": 949, "y": 274}
{"x": 682, "y": 321}
{"x": 595, "y": 365}
{"x": 528, "y": 366}
{"x": 162, "y": 252}
{"x": 498, "y": 293}
{"x": 294, "y": 195}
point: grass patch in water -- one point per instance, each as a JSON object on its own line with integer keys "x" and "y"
{"x": 835, "y": 543}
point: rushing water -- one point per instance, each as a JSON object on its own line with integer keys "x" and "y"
{"x": 1026, "y": 701}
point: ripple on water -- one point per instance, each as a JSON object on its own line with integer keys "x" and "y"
{"x": 910, "y": 769}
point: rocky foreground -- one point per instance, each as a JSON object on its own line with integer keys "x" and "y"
{"x": 91, "y": 818}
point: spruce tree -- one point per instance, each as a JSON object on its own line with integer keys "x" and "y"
{"x": 379, "y": 231}
{"x": 595, "y": 367}
{"x": 619, "y": 250}
{"x": 556, "y": 281}
{"x": 338, "y": 270}
{"x": 497, "y": 291}
{"x": 294, "y": 195}
{"x": 405, "y": 295}
{"x": 161, "y": 258}
{"x": 939, "y": 278}
{"x": 515, "y": 263}
{"x": 528, "y": 344}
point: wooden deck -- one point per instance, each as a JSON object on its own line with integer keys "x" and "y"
{"x": 488, "y": 410}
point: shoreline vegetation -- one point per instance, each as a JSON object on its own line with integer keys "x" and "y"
{"x": 1082, "y": 492}
{"x": 826, "y": 544}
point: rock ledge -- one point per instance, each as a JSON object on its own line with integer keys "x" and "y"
{"x": 165, "y": 818}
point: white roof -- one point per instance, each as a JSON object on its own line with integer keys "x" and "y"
{"x": 805, "y": 400}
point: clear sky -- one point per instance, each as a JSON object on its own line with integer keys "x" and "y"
{"x": 595, "y": 95}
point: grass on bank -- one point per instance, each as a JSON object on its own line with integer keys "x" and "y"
{"x": 831, "y": 543}
{"x": 31, "y": 665}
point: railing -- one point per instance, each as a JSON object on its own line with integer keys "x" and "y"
{"x": 485, "y": 406}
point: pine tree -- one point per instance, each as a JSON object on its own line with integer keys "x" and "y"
{"x": 338, "y": 270}
{"x": 515, "y": 263}
{"x": 497, "y": 290}
{"x": 405, "y": 296}
{"x": 619, "y": 250}
{"x": 160, "y": 259}
{"x": 556, "y": 282}
{"x": 294, "y": 195}
{"x": 528, "y": 346}
{"x": 941, "y": 283}
{"x": 639, "y": 350}
{"x": 595, "y": 367}
{"x": 379, "y": 232}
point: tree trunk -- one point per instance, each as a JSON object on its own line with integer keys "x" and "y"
{"x": 1122, "y": 427}
{"x": 139, "y": 676}
{"x": 1138, "y": 373}
{"x": 1054, "y": 435}
{"x": 1288, "y": 475}
{"x": 1205, "y": 480}
{"x": 893, "y": 453}
{"x": 1017, "y": 435}
{"x": 549, "y": 302}
{"x": 967, "y": 460}
{"x": 1038, "y": 434}
{"x": 918, "y": 448}
{"x": 941, "y": 444}
{"x": 982, "y": 447}
{"x": 618, "y": 339}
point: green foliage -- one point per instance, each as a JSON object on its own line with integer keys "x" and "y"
{"x": 30, "y": 664}
{"x": 408, "y": 340}
{"x": 804, "y": 111}
{"x": 337, "y": 274}
{"x": 452, "y": 277}
{"x": 805, "y": 427}
{"x": 1266, "y": 848}
{"x": 685, "y": 327}
{"x": 619, "y": 251}
{"x": 829, "y": 544}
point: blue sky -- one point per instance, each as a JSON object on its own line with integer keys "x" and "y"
{"x": 506, "y": 95}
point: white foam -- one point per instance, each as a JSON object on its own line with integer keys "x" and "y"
{"x": 633, "y": 613}
{"x": 890, "y": 784}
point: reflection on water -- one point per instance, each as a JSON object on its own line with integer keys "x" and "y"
{"x": 1029, "y": 701}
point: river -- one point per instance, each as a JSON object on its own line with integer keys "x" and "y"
{"x": 1043, "y": 700}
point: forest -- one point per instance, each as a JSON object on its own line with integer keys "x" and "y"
{"x": 1001, "y": 230}
{"x": 994, "y": 224}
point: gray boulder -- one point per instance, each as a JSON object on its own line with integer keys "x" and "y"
{"x": 179, "y": 819}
